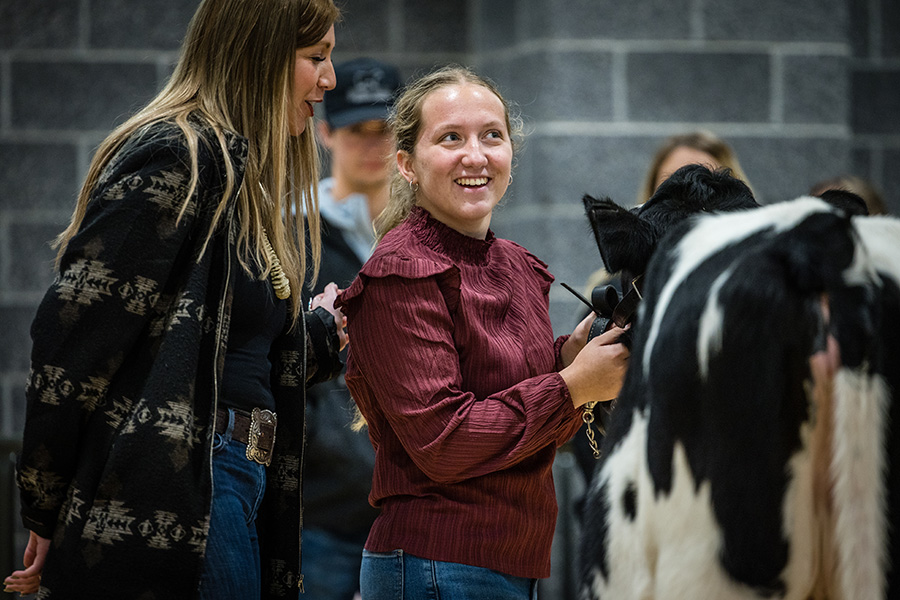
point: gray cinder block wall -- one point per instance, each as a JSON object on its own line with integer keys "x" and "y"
{"x": 803, "y": 90}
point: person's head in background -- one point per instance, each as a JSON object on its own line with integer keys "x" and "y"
{"x": 355, "y": 129}
{"x": 699, "y": 147}
{"x": 850, "y": 183}
{"x": 431, "y": 156}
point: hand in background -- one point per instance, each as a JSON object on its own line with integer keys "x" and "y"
{"x": 28, "y": 580}
{"x": 326, "y": 300}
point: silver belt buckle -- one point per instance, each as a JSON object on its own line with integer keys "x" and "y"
{"x": 261, "y": 442}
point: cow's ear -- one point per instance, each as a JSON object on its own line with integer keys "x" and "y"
{"x": 624, "y": 240}
{"x": 816, "y": 251}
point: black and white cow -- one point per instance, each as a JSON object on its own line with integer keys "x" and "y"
{"x": 750, "y": 453}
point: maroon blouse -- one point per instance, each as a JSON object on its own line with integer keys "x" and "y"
{"x": 453, "y": 363}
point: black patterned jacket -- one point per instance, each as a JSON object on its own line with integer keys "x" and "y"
{"x": 128, "y": 348}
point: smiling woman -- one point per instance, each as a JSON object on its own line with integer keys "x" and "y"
{"x": 454, "y": 366}
{"x": 313, "y": 74}
{"x": 463, "y": 159}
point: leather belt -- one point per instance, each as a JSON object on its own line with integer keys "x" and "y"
{"x": 256, "y": 429}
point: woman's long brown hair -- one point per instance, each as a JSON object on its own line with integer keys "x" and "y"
{"x": 235, "y": 73}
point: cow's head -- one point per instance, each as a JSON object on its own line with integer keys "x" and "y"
{"x": 626, "y": 238}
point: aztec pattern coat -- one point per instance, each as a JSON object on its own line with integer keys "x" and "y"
{"x": 128, "y": 350}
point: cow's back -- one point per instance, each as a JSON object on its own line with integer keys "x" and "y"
{"x": 707, "y": 481}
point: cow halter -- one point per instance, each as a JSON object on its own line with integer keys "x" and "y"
{"x": 608, "y": 308}
{"x": 624, "y": 311}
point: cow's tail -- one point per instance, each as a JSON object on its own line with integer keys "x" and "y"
{"x": 858, "y": 469}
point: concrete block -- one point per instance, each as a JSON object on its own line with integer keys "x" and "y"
{"x": 559, "y": 170}
{"x": 44, "y": 24}
{"x": 565, "y": 311}
{"x": 435, "y": 26}
{"x": 867, "y": 164}
{"x": 776, "y": 20}
{"x": 890, "y": 186}
{"x": 568, "y": 86}
{"x": 859, "y": 29}
{"x": 12, "y": 423}
{"x": 875, "y": 101}
{"x": 816, "y": 89}
{"x": 686, "y": 87}
{"x": 890, "y": 26}
{"x": 78, "y": 95}
{"x": 496, "y": 24}
{"x": 15, "y": 325}
{"x": 363, "y": 29}
{"x": 562, "y": 239}
{"x": 861, "y": 162}
{"x": 585, "y": 19}
{"x": 501, "y": 72}
{"x": 127, "y": 24}
{"x": 38, "y": 176}
{"x": 30, "y": 264}
{"x": 782, "y": 169}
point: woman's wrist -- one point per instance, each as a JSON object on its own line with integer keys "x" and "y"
{"x": 574, "y": 380}
{"x": 568, "y": 351}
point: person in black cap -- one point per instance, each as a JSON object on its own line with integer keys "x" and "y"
{"x": 338, "y": 475}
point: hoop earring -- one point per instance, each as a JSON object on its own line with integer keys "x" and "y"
{"x": 413, "y": 189}
{"x": 510, "y": 180}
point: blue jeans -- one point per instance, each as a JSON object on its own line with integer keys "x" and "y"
{"x": 400, "y": 576}
{"x": 231, "y": 568}
{"x": 330, "y": 566}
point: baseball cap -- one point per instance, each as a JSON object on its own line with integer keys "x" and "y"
{"x": 364, "y": 91}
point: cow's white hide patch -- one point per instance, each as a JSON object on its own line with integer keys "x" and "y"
{"x": 670, "y": 551}
{"x": 709, "y": 336}
{"x": 880, "y": 236}
{"x": 858, "y": 467}
{"x": 627, "y": 544}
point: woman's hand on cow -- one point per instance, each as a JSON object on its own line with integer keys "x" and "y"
{"x": 598, "y": 370}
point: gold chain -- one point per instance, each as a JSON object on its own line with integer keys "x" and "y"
{"x": 588, "y": 417}
{"x": 280, "y": 281}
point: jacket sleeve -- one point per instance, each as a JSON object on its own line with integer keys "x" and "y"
{"x": 110, "y": 278}
{"x": 322, "y": 347}
{"x": 403, "y": 361}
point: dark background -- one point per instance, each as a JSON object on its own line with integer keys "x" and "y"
{"x": 802, "y": 89}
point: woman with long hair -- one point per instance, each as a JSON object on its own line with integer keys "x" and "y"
{"x": 164, "y": 430}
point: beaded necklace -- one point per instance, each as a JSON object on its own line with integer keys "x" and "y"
{"x": 279, "y": 280}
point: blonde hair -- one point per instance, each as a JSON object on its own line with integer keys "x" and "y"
{"x": 703, "y": 141}
{"x": 235, "y": 73}
{"x": 405, "y": 121}
{"x": 406, "y": 124}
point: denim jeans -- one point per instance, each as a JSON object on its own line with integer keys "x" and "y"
{"x": 330, "y": 566}
{"x": 400, "y": 576}
{"x": 231, "y": 568}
